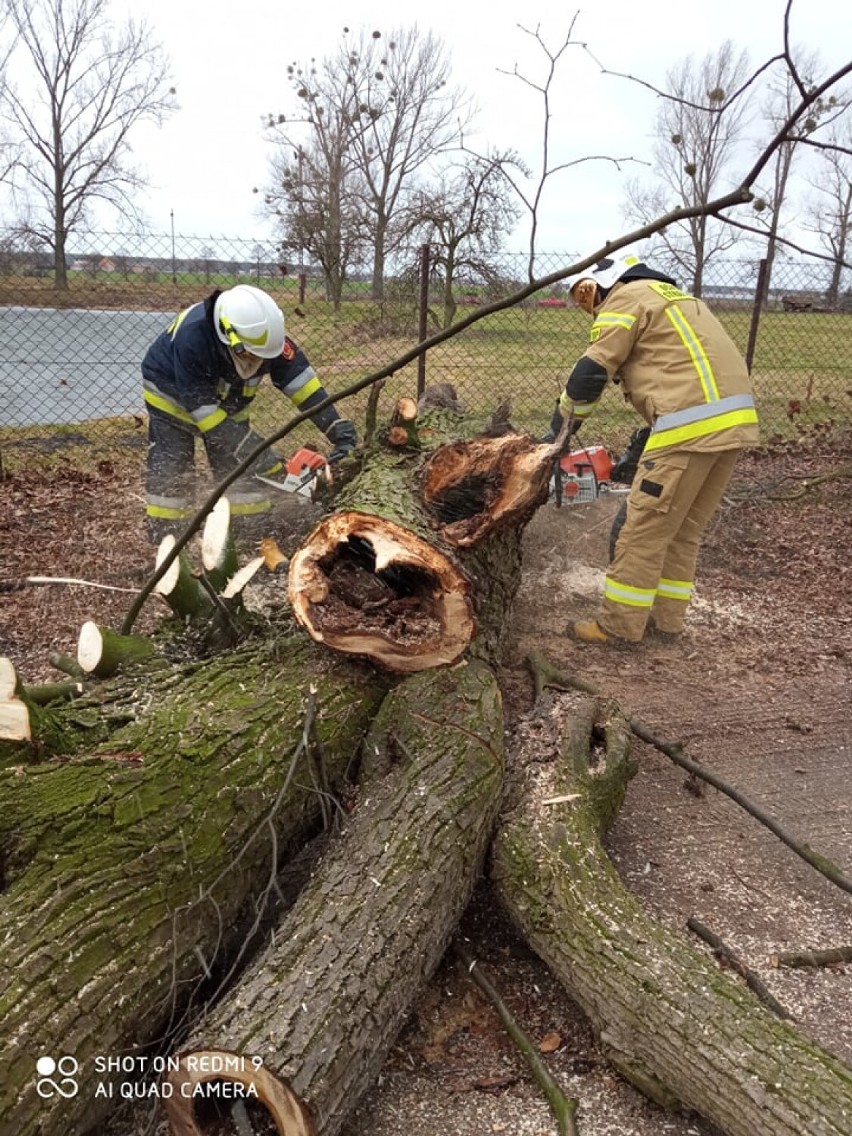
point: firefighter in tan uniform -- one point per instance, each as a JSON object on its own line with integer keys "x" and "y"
{"x": 682, "y": 373}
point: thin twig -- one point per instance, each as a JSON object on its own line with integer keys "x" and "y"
{"x": 22, "y": 582}
{"x": 372, "y": 412}
{"x": 563, "y": 1107}
{"x": 727, "y": 954}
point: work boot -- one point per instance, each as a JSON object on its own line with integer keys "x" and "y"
{"x": 590, "y": 631}
{"x": 654, "y": 632}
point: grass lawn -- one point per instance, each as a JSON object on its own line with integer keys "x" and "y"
{"x": 802, "y": 368}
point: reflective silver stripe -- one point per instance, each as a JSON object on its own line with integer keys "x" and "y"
{"x": 304, "y": 376}
{"x": 614, "y": 319}
{"x": 705, "y": 410}
{"x": 201, "y": 413}
{"x": 675, "y": 589}
{"x": 696, "y": 352}
{"x": 246, "y": 497}
{"x": 627, "y": 594}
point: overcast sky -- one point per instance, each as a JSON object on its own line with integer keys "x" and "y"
{"x": 229, "y": 66}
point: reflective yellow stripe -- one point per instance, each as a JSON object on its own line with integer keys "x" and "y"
{"x": 614, "y": 319}
{"x": 167, "y": 513}
{"x": 693, "y": 345}
{"x": 578, "y": 409}
{"x": 247, "y": 509}
{"x": 160, "y": 402}
{"x": 625, "y": 594}
{"x": 675, "y": 589}
{"x": 701, "y": 429}
{"x": 209, "y": 421}
{"x": 311, "y": 387}
{"x": 257, "y": 340}
{"x": 242, "y": 415}
{"x": 178, "y": 320}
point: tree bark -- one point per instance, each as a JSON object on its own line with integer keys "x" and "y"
{"x": 136, "y": 864}
{"x": 671, "y": 1021}
{"x": 136, "y": 860}
{"x": 324, "y": 1003}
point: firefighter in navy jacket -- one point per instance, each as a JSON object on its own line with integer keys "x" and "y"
{"x": 682, "y": 373}
{"x": 199, "y": 377}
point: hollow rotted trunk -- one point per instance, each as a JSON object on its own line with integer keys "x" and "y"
{"x": 136, "y": 856}
{"x": 402, "y": 572}
{"x": 671, "y": 1021}
{"x": 325, "y": 1001}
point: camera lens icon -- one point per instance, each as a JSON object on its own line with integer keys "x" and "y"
{"x": 57, "y": 1078}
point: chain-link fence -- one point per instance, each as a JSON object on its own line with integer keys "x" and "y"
{"x": 69, "y": 358}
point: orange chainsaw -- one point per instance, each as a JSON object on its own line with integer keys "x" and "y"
{"x": 301, "y": 473}
{"x": 585, "y": 475}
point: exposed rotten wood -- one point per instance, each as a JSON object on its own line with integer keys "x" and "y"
{"x": 365, "y": 585}
{"x": 472, "y": 488}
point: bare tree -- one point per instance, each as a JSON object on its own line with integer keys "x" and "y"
{"x": 830, "y": 214}
{"x": 82, "y": 88}
{"x": 8, "y": 150}
{"x": 464, "y": 220}
{"x": 699, "y": 124}
{"x": 783, "y": 94}
{"x": 531, "y": 197}
{"x": 375, "y": 113}
{"x": 412, "y": 115}
{"x": 313, "y": 195}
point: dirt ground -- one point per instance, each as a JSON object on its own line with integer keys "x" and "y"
{"x": 758, "y": 690}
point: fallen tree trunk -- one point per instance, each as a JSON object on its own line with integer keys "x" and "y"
{"x": 135, "y": 868}
{"x": 670, "y": 1020}
{"x": 323, "y": 1004}
{"x": 137, "y": 855}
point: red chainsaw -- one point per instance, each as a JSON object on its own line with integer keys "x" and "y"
{"x": 585, "y": 475}
{"x": 301, "y": 473}
{"x": 580, "y": 476}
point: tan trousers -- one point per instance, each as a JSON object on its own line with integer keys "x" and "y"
{"x": 673, "y": 497}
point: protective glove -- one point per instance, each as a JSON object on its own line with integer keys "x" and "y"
{"x": 343, "y": 437}
{"x": 556, "y": 424}
{"x": 625, "y": 468}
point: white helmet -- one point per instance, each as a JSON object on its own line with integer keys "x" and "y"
{"x": 247, "y": 318}
{"x": 608, "y": 271}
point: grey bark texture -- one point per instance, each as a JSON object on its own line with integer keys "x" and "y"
{"x": 671, "y": 1020}
{"x": 325, "y": 1001}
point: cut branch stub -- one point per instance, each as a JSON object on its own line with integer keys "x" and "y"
{"x": 365, "y": 585}
{"x": 474, "y": 488}
{"x": 250, "y": 1081}
{"x": 102, "y": 652}
{"x": 14, "y": 715}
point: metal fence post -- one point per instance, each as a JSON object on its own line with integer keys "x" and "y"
{"x": 424, "y": 317}
{"x": 755, "y": 314}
